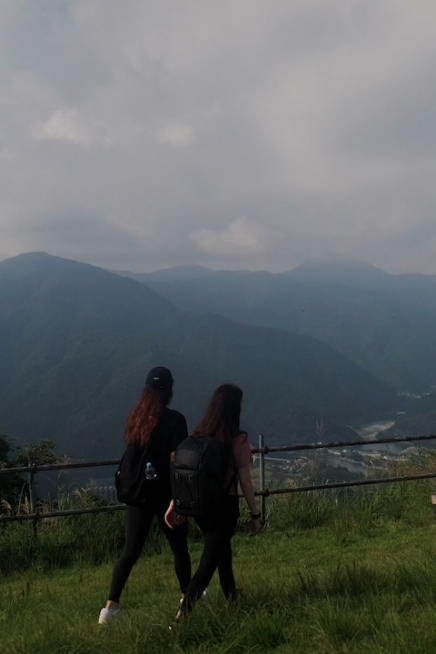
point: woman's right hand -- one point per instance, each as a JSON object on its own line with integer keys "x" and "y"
{"x": 255, "y": 526}
{"x": 247, "y": 488}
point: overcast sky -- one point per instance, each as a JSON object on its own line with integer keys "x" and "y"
{"x": 253, "y": 134}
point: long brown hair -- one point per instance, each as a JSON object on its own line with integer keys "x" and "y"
{"x": 145, "y": 415}
{"x": 221, "y": 417}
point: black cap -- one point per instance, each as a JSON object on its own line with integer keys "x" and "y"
{"x": 159, "y": 378}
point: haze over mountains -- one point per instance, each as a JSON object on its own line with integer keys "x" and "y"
{"x": 384, "y": 323}
{"x": 76, "y": 342}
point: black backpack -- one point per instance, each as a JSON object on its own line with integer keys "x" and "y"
{"x": 197, "y": 476}
{"x": 131, "y": 483}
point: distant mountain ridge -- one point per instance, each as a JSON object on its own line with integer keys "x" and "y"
{"x": 355, "y": 273}
{"x": 184, "y": 272}
{"x": 76, "y": 342}
{"x": 384, "y": 323}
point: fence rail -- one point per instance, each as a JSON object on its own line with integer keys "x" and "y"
{"x": 264, "y": 449}
{"x": 35, "y": 515}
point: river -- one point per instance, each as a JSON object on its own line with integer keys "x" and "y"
{"x": 369, "y": 432}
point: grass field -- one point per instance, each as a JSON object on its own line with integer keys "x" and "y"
{"x": 330, "y": 574}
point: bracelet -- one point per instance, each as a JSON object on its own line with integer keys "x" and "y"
{"x": 255, "y": 516}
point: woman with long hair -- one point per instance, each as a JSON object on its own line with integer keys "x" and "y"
{"x": 152, "y": 425}
{"x": 221, "y": 421}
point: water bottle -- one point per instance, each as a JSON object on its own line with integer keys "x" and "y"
{"x": 150, "y": 472}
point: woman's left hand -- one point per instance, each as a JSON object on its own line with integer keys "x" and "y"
{"x": 172, "y": 518}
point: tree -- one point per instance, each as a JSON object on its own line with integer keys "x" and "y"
{"x": 321, "y": 429}
{"x": 10, "y": 484}
{"x": 39, "y": 454}
{"x": 5, "y": 448}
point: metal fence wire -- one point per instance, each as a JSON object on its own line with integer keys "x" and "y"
{"x": 36, "y": 515}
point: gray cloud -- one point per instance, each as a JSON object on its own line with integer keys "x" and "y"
{"x": 236, "y": 134}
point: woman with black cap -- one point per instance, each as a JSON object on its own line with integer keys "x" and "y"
{"x": 152, "y": 425}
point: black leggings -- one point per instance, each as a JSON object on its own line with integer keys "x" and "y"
{"x": 217, "y": 553}
{"x": 138, "y": 523}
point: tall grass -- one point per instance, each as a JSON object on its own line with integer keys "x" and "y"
{"x": 60, "y": 542}
{"x": 88, "y": 539}
{"x": 352, "y": 509}
{"x": 348, "y": 515}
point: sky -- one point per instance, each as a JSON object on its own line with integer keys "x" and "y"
{"x": 252, "y": 134}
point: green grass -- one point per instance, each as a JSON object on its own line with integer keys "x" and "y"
{"x": 331, "y": 574}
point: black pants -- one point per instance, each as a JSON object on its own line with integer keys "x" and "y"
{"x": 217, "y": 553}
{"x": 138, "y": 523}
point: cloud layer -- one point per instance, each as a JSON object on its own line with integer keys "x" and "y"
{"x": 236, "y": 134}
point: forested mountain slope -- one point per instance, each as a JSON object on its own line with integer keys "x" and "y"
{"x": 76, "y": 343}
{"x": 384, "y": 323}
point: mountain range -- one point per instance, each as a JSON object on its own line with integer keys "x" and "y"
{"x": 76, "y": 343}
{"x": 386, "y": 324}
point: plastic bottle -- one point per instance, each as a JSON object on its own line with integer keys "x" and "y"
{"x": 150, "y": 472}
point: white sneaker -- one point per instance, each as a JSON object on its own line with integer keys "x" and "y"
{"x": 107, "y": 615}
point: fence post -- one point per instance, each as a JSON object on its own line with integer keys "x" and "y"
{"x": 31, "y": 490}
{"x": 32, "y": 503}
{"x": 262, "y": 477}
